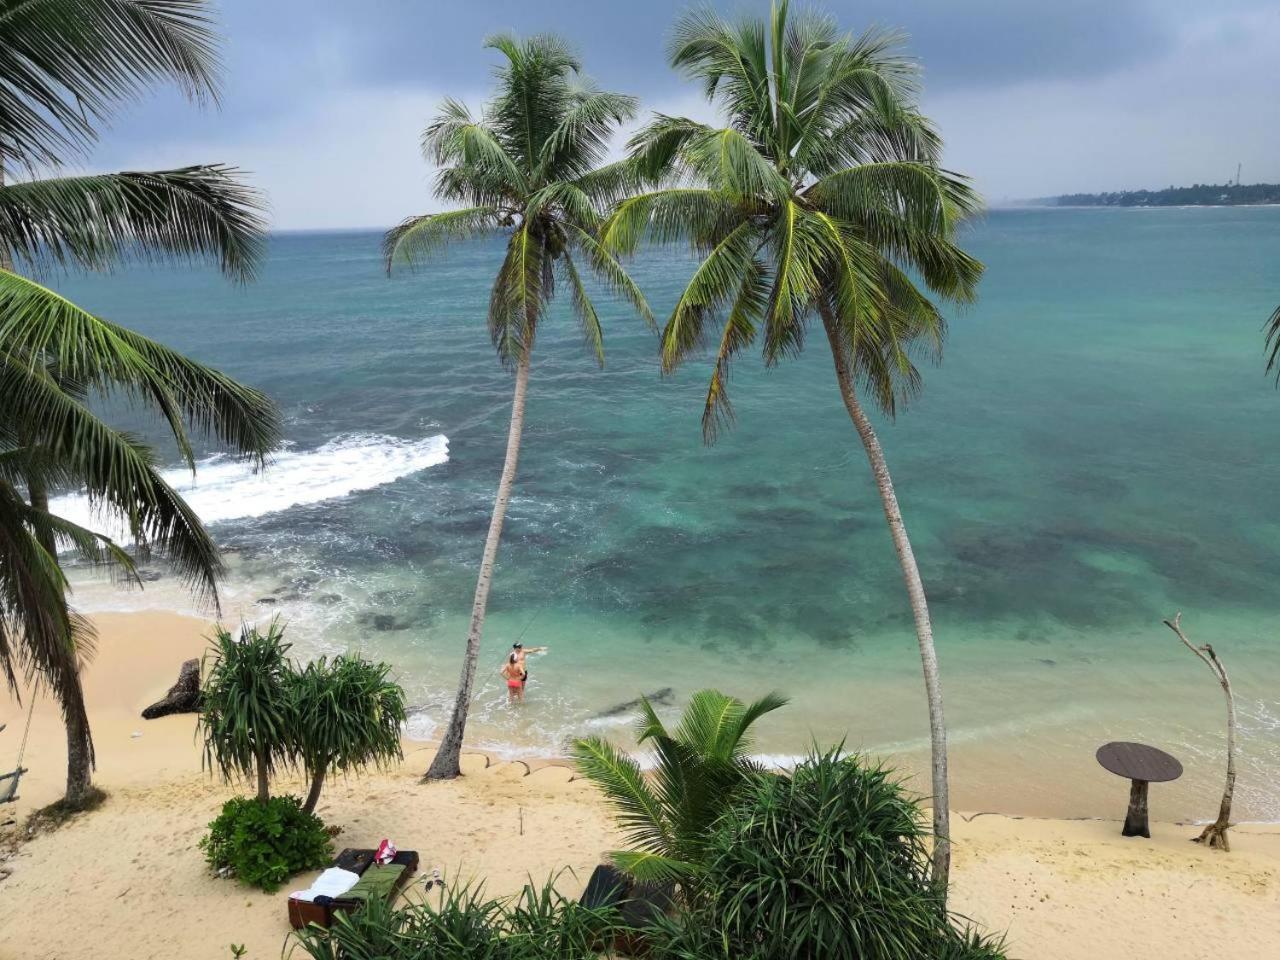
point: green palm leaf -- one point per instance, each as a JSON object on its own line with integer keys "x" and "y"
{"x": 700, "y": 766}
{"x": 95, "y": 221}
{"x": 65, "y": 65}
{"x": 41, "y": 326}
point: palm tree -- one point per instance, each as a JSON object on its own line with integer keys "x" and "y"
{"x": 822, "y": 194}
{"x": 348, "y": 716}
{"x": 530, "y": 167}
{"x": 700, "y": 766}
{"x": 64, "y": 66}
{"x": 247, "y": 717}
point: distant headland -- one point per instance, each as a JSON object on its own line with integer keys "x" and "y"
{"x": 1197, "y": 195}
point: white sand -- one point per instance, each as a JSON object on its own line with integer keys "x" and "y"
{"x": 127, "y": 881}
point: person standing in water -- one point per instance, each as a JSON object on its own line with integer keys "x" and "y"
{"x": 516, "y": 672}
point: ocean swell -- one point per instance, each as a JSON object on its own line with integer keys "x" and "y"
{"x": 225, "y": 489}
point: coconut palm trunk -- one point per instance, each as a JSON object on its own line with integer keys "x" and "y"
{"x": 75, "y": 714}
{"x": 916, "y": 596}
{"x": 446, "y": 765}
{"x": 70, "y": 689}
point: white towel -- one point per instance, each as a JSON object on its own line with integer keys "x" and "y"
{"x": 334, "y": 882}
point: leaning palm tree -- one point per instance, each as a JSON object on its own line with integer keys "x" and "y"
{"x": 699, "y": 767}
{"x": 53, "y": 358}
{"x": 530, "y": 167}
{"x": 64, "y": 66}
{"x": 821, "y": 195}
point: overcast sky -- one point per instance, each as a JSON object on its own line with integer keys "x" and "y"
{"x": 324, "y": 100}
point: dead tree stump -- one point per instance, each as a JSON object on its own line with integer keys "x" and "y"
{"x": 183, "y": 696}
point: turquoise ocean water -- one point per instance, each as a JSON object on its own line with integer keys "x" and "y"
{"x": 1099, "y": 449}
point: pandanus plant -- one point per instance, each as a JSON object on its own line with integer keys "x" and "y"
{"x": 820, "y": 197}
{"x": 348, "y": 716}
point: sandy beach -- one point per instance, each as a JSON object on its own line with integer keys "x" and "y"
{"x": 137, "y": 886}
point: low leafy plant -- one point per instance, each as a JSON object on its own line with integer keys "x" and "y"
{"x": 264, "y": 844}
{"x": 831, "y": 861}
{"x": 463, "y": 923}
{"x": 667, "y": 816}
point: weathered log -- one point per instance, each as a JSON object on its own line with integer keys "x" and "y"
{"x": 183, "y": 696}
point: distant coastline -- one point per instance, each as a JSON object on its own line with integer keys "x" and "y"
{"x": 1197, "y": 195}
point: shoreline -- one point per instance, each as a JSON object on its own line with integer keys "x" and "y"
{"x": 140, "y": 883}
{"x": 1009, "y": 771}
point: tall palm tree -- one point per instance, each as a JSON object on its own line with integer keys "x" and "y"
{"x": 530, "y": 167}
{"x": 64, "y": 66}
{"x": 699, "y": 767}
{"x": 822, "y": 194}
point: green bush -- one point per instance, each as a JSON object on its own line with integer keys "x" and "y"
{"x": 464, "y": 924}
{"x": 264, "y": 844}
{"x": 831, "y": 861}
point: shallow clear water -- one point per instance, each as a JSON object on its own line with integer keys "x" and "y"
{"x": 1097, "y": 451}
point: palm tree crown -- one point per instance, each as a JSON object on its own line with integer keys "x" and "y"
{"x": 529, "y": 164}
{"x": 822, "y": 193}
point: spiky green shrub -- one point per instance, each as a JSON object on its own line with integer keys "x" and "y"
{"x": 463, "y": 923}
{"x": 347, "y": 716}
{"x": 667, "y": 816}
{"x": 831, "y": 861}
{"x": 247, "y": 717}
{"x": 264, "y": 844}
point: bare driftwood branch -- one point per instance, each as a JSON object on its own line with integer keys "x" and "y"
{"x": 1215, "y": 834}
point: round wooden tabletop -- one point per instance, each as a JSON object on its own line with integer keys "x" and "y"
{"x": 1137, "y": 761}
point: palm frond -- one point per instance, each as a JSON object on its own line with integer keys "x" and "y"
{"x": 95, "y": 221}
{"x": 606, "y": 267}
{"x": 638, "y": 811}
{"x": 580, "y": 140}
{"x": 454, "y": 138}
{"x": 42, "y": 326}
{"x": 585, "y": 310}
{"x": 702, "y": 217}
{"x": 730, "y": 60}
{"x": 520, "y": 292}
{"x": 739, "y": 331}
{"x": 1273, "y": 344}
{"x": 715, "y": 281}
{"x": 66, "y": 64}
{"x": 417, "y": 238}
{"x": 118, "y": 473}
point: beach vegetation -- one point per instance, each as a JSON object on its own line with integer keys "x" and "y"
{"x": 820, "y": 198}
{"x": 463, "y": 923}
{"x": 264, "y": 844}
{"x": 529, "y": 167}
{"x": 699, "y": 766}
{"x": 65, "y": 67}
{"x": 247, "y": 719}
{"x": 831, "y": 860}
{"x": 263, "y": 713}
{"x": 347, "y": 716}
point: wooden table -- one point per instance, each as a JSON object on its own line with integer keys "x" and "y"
{"x": 1142, "y": 765}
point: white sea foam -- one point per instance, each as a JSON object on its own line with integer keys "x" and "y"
{"x": 224, "y": 489}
